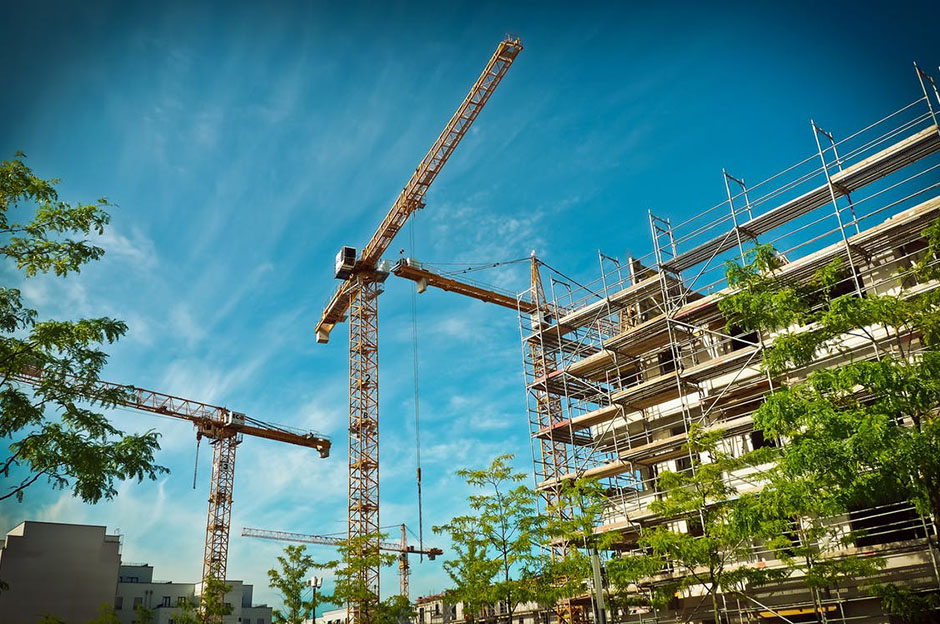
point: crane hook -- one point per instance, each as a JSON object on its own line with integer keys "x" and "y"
{"x": 196, "y": 462}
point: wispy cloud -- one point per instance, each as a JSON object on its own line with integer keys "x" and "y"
{"x": 134, "y": 251}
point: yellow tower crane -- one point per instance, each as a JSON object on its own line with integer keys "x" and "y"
{"x": 224, "y": 428}
{"x": 363, "y": 278}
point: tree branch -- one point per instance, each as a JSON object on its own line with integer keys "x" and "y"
{"x": 22, "y": 486}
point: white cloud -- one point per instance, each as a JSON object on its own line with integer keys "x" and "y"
{"x": 135, "y": 251}
{"x": 183, "y": 325}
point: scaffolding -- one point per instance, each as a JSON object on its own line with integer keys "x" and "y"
{"x": 619, "y": 369}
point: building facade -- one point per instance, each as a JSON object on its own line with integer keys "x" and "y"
{"x": 67, "y": 571}
{"x": 436, "y": 609}
{"x": 71, "y": 571}
{"x": 619, "y": 370}
{"x": 137, "y": 588}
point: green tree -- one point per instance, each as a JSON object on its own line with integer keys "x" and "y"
{"x": 911, "y": 607}
{"x": 791, "y": 518}
{"x": 862, "y": 432}
{"x": 54, "y": 429}
{"x": 395, "y": 609}
{"x": 142, "y": 615}
{"x": 705, "y": 536}
{"x": 357, "y": 555}
{"x": 210, "y": 608}
{"x": 106, "y": 615}
{"x": 470, "y": 567}
{"x": 291, "y": 580}
{"x": 509, "y": 528}
{"x": 550, "y": 582}
{"x": 570, "y": 543}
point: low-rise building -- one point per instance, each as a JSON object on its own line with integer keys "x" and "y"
{"x": 436, "y": 609}
{"x": 64, "y": 570}
{"x": 69, "y": 571}
{"x": 335, "y": 616}
{"x": 137, "y": 588}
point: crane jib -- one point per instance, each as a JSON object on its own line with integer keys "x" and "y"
{"x": 412, "y": 195}
{"x": 362, "y": 283}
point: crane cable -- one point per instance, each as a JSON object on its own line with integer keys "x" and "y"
{"x": 414, "y": 343}
{"x": 570, "y": 279}
{"x": 481, "y": 266}
{"x": 196, "y": 463}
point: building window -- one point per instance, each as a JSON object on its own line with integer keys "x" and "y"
{"x": 758, "y": 441}
{"x": 119, "y": 603}
{"x": 138, "y": 601}
{"x": 180, "y": 601}
{"x": 741, "y": 339}
{"x": 260, "y": 620}
{"x": 667, "y": 361}
{"x": 683, "y": 464}
{"x": 848, "y": 286}
{"x": 166, "y": 601}
{"x": 897, "y": 522}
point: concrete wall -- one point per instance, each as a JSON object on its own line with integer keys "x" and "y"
{"x": 64, "y": 570}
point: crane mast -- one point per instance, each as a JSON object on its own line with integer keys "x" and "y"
{"x": 225, "y": 428}
{"x": 363, "y": 278}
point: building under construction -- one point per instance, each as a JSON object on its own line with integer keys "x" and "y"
{"x": 618, "y": 370}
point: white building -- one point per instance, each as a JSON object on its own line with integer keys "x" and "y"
{"x": 336, "y": 616}
{"x": 136, "y": 587}
{"x": 436, "y": 609}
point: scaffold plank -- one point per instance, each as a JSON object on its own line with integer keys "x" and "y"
{"x": 551, "y": 338}
{"x": 629, "y": 295}
{"x": 657, "y": 451}
{"x": 649, "y": 393}
{"x": 641, "y": 338}
{"x": 888, "y": 233}
{"x": 594, "y": 366}
{"x": 719, "y": 365}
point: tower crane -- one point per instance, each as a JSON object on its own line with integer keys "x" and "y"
{"x": 363, "y": 278}
{"x": 403, "y": 549}
{"x": 225, "y": 429}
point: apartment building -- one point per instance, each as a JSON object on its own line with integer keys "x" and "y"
{"x": 618, "y": 370}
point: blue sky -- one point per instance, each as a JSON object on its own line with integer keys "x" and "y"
{"x": 243, "y": 144}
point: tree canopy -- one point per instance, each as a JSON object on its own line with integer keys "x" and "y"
{"x": 291, "y": 579}
{"x": 54, "y": 427}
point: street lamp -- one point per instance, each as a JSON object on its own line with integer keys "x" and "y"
{"x": 316, "y": 583}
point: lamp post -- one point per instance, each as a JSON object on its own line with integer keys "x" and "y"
{"x": 316, "y": 583}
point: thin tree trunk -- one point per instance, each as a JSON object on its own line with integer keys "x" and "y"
{"x": 715, "y": 612}
{"x": 933, "y": 496}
